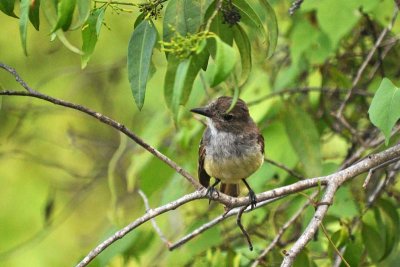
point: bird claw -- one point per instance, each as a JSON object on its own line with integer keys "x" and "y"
{"x": 253, "y": 199}
{"x": 210, "y": 193}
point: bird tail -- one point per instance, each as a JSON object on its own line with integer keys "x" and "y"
{"x": 230, "y": 189}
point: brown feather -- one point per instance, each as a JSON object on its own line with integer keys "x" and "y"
{"x": 260, "y": 141}
{"x": 204, "y": 178}
{"x": 230, "y": 189}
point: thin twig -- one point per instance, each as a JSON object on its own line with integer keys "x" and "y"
{"x": 367, "y": 60}
{"x": 17, "y": 77}
{"x": 285, "y": 168}
{"x": 372, "y": 170}
{"x": 115, "y": 3}
{"x": 312, "y": 227}
{"x": 292, "y": 91}
{"x": 296, "y": 5}
{"x": 281, "y": 231}
{"x": 149, "y": 215}
{"x": 215, "y": 221}
{"x": 333, "y": 245}
{"x": 153, "y": 221}
{"x": 332, "y": 182}
{"x": 218, "y": 6}
{"x": 104, "y": 119}
{"x": 239, "y": 223}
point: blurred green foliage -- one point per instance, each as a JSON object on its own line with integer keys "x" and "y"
{"x": 68, "y": 182}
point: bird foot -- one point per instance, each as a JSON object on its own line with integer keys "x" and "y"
{"x": 210, "y": 192}
{"x": 253, "y": 199}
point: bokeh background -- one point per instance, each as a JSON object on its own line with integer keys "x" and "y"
{"x": 67, "y": 181}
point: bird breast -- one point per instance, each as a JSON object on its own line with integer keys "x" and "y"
{"x": 231, "y": 157}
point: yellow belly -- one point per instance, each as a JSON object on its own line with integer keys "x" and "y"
{"x": 232, "y": 170}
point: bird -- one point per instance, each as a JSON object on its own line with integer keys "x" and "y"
{"x": 231, "y": 148}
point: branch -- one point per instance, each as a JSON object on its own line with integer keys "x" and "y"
{"x": 296, "y": 5}
{"x": 153, "y": 221}
{"x": 332, "y": 182}
{"x": 364, "y": 65}
{"x": 312, "y": 227}
{"x": 104, "y": 119}
{"x": 217, "y": 220}
{"x": 292, "y": 91}
{"x": 239, "y": 223}
{"x": 285, "y": 168}
{"x": 282, "y": 230}
{"x": 151, "y": 213}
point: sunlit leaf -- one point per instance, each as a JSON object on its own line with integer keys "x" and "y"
{"x": 243, "y": 44}
{"x": 337, "y": 18}
{"x": 225, "y": 61}
{"x": 7, "y": 7}
{"x": 304, "y": 137}
{"x": 140, "y": 49}
{"x": 90, "y": 34}
{"x": 65, "y": 11}
{"x": 34, "y": 14}
{"x": 23, "y": 23}
{"x": 384, "y": 111}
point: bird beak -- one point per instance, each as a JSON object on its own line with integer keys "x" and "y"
{"x": 205, "y": 111}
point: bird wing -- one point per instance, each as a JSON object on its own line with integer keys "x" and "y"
{"x": 260, "y": 141}
{"x": 204, "y": 178}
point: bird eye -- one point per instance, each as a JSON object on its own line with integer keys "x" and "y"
{"x": 228, "y": 117}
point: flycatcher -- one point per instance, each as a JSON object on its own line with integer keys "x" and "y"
{"x": 231, "y": 148}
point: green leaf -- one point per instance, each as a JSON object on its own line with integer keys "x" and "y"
{"x": 339, "y": 239}
{"x": 385, "y": 108}
{"x": 184, "y": 79}
{"x": 83, "y": 7}
{"x": 65, "y": 11}
{"x": 180, "y": 76}
{"x": 169, "y": 80}
{"x": 303, "y": 259}
{"x": 354, "y": 250}
{"x": 272, "y": 26}
{"x": 344, "y": 205}
{"x": 140, "y": 49}
{"x": 225, "y": 61}
{"x": 250, "y": 17}
{"x": 304, "y": 137}
{"x": 23, "y": 23}
{"x": 34, "y": 14}
{"x": 373, "y": 242}
{"x": 390, "y": 225}
{"x": 223, "y": 31}
{"x": 7, "y": 7}
{"x": 243, "y": 44}
{"x": 182, "y": 17}
{"x": 204, "y": 6}
{"x": 337, "y": 18}
{"x": 90, "y": 34}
